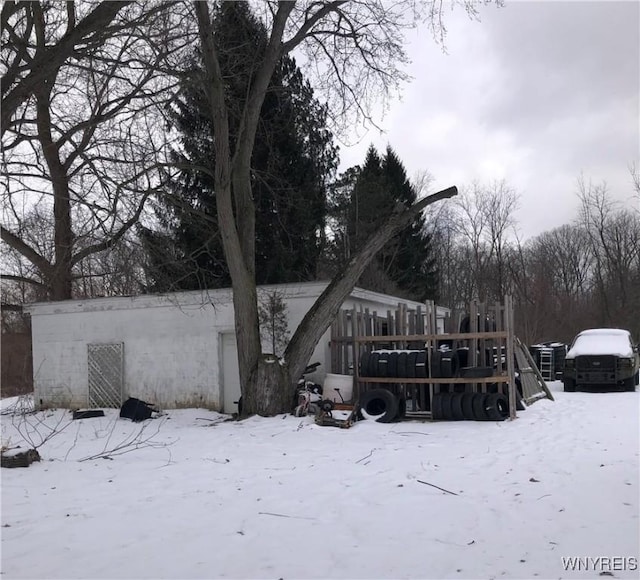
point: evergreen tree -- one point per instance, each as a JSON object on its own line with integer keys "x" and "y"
{"x": 293, "y": 160}
{"x": 364, "y": 196}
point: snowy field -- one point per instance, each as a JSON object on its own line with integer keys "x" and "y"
{"x": 284, "y": 498}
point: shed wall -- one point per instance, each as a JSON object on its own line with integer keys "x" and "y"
{"x": 170, "y": 353}
{"x": 172, "y": 344}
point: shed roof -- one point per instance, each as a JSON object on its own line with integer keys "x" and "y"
{"x": 200, "y": 297}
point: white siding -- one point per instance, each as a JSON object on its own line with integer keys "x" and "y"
{"x": 172, "y": 348}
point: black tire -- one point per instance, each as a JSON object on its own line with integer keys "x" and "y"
{"x": 383, "y": 364}
{"x": 463, "y": 356}
{"x": 479, "y": 405}
{"x": 449, "y": 364}
{"x": 630, "y": 384}
{"x": 327, "y": 405}
{"x": 364, "y": 364}
{"x": 90, "y": 414}
{"x": 437, "y": 403}
{"x": 456, "y": 407}
{"x": 421, "y": 364}
{"x": 467, "y": 406}
{"x": 392, "y": 365}
{"x": 475, "y": 372}
{"x": 402, "y": 364}
{"x": 497, "y": 407}
{"x": 465, "y": 324}
{"x": 373, "y": 364}
{"x": 380, "y": 405}
{"x": 411, "y": 365}
{"x": 447, "y": 413}
{"x": 569, "y": 385}
{"x": 402, "y": 409}
{"x": 436, "y": 371}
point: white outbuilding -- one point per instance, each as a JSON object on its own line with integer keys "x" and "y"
{"x": 173, "y": 350}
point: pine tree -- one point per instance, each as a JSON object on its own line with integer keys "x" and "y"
{"x": 364, "y": 197}
{"x": 293, "y": 160}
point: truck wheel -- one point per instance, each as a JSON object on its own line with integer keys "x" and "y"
{"x": 630, "y": 384}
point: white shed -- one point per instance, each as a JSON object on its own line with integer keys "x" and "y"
{"x": 173, "y": 350}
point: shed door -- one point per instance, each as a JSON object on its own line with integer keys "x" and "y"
{"x": 106, "y": 369}
{"x": 230, "y": 377}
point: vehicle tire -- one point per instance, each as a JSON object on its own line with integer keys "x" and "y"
{"x": 436, "y": 371}
{"x": 411, "y": 365}
{"x": 465, "y": 324}
{"x": 463, "y": 356}
{"x": 421, "y": 364}
{"x": 392, "y": 365}
{"x": 402, "y": 364}
{"x": 467, "y": 406}
{"x": 630, "y": 384}
{"x": 479, "y": 405}
{"x": 475, "y": 372}
{"x": 88, "y": 414}
{"x": 364, "y": 364}
{"x": 497, "y": 407}
{"x": 449, "y": 364}
{"x": 402, "y": 409}
{"x": 373, "y": 364}
{"x": 383, "y": 364}
{"x": 569, "y": 385}
{"x": 456, "y": 406}
{"x": 437, "y": 403}
{"x": 379, "y": 405}
{"x": 327, "y": 405}
{"x": 447, "y": 412}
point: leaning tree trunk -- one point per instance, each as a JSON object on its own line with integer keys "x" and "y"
{"x": 270, "y": 387}
{"x": 324, "y": 310}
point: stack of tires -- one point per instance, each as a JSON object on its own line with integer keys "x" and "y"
{"x": 445, "y": 364}
{"x": 394, "y": 364}
{"x": 469, "y": 406}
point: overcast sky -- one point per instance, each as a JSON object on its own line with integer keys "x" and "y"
{"x": 536, "y": 93}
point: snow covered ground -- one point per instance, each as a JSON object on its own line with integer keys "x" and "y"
{"x": 284, "y": 498}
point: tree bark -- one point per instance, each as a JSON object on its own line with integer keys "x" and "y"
{"x": 60, "y": 281}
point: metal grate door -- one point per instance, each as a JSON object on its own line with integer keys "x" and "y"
{"x": 106, "y": 369}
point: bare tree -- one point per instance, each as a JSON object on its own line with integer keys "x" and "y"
{"x": 30, "y": 56}
{"x": 83, "y": 136}
{"x": 484, "y": 221}
{"x": 613, "y": 237}
{"x": 355, "y": 48}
